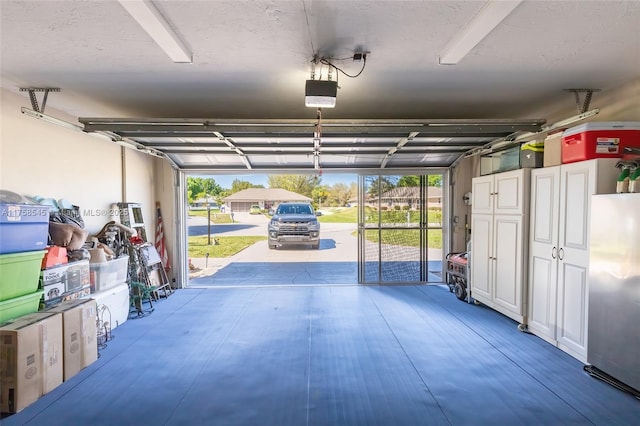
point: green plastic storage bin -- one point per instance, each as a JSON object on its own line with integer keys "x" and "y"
{"x": 19, "y": 306}
{"x": 19, "y": 273}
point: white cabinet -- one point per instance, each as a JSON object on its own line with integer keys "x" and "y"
{"x": 502, "y": 193}
{"x": 559, "y": 250}
{"x": 499, "y": 239}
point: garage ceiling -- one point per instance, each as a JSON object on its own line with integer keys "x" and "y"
{"x": 251, "y": 59}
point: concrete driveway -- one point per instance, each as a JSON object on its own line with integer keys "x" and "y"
{"x": 334, "y": 263}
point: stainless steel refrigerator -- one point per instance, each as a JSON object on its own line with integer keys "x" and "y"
{"x": 614, "y": 287}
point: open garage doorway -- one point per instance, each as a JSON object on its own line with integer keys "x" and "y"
{"x": 227, "y": 221}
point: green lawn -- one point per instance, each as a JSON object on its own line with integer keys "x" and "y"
{"x": 410, "y": 238}
{"x": 228, "y": 246}
{"x": 350, "y": 215}
{"x": 216, "y": 216}
{"x": 400, "y": 216}
{"x": 342, "y": 215}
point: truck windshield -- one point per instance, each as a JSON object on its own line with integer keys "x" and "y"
{"x": 294, "y": 209}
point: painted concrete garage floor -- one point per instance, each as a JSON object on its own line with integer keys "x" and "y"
{"x": 328, "y": 355}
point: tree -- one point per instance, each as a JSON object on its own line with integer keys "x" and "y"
{"x": 412, "y": 180}
{"x": 239, "y": 185}
{"x": 435, "y": 180}
{"x": 300, "y": 184}
{"x": 320, "y": 194}
{"x": 221, "y": 196}
{"x": 341, "y": 194}
{"x": 353, "y": 188}
{"x": 409, "y": 181}
{"x": 198, "y": 187}
{"x": 379, "y": 185}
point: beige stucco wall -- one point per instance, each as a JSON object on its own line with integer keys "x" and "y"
{"x": 165, "y": 193}
{"x": 40, "y": 158}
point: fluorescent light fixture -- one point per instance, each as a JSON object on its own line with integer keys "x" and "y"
{"x": 489, "y": 17}
{"x": 320, "y": 93}
{"x": 152, "y": 21}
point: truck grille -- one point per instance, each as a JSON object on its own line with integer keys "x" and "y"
{"x": 290, "y": 229}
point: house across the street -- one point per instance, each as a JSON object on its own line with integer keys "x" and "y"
{"x": 266, "y": 198}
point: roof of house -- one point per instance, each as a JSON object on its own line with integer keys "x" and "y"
{"x": 266, "y": 194}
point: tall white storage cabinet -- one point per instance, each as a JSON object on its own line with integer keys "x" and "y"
{"x": 499, "y": 223}
{"x": 559, "y": 250}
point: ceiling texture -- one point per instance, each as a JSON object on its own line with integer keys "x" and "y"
{"x": 239, "y": 104}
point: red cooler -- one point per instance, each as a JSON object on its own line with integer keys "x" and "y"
{"x": 599, "y": 140}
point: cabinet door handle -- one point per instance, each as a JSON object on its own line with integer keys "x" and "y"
{"x": 561, "y": 254}
{"x": 554, "y": 251}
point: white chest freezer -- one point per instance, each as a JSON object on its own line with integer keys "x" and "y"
{"x": 113, "y": 304}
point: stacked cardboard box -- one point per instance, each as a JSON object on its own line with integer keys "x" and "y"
{"x": 79, "y": 334}
{"x": 31, "y": 353}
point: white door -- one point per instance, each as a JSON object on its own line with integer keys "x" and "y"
{"x": 481, "y": 256}
{"x": 508, "y": 279}
{"x": 482, "y": 195}
{"x": 509, "y": 193}
{"x": 543, "y": 249}
{"x": 577, "y": 183}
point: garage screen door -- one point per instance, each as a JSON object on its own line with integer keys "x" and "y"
{"x": 400, "y": 229}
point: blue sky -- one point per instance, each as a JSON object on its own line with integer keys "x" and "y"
{"x": 327, "y": 179}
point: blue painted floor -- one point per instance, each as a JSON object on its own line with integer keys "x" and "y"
{"x": 328, "y": 355}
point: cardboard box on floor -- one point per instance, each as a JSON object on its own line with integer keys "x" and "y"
{"x": 79, "y": 334}
{"x": 30, "y": 359}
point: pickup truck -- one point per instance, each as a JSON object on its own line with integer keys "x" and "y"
{"x": 294, "y": 223}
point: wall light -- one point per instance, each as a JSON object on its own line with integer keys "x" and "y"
{"x": 152, "y": 21}
{"x": 489, "y": 17}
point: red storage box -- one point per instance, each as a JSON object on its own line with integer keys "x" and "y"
{"x": 55, "y": 256}
{"x": 599, "y": 140}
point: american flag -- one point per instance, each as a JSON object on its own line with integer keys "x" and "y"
{"x": 159, "y": 242}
